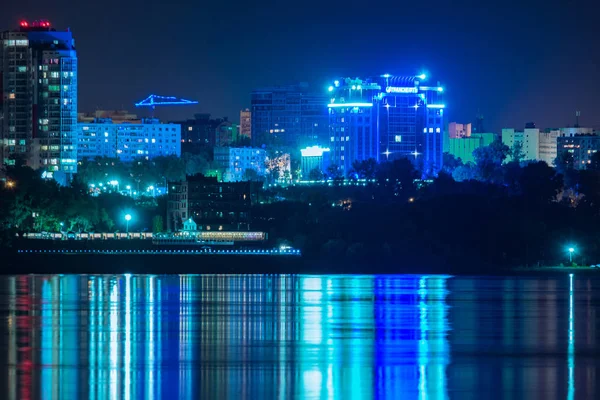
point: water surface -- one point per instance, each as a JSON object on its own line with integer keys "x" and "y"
{"x": 294, "y": 336}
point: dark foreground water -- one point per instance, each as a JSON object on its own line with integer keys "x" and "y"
{"x": 328, "y": 337}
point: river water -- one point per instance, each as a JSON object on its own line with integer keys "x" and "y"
{"x": 298, "y": 336}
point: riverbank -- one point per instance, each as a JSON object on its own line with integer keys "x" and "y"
{"x": 156, "y": 262}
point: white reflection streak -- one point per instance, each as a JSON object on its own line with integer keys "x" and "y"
{"x": 571, "y": 354}
{"x": 127, "y": 361}
{"x": 114, "y": 339}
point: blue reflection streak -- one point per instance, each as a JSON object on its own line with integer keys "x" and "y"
{"x": 150, "y": 339}
{"x": 127, "y": 361}
{"x": 114, "y": 339}
{"x": 92, "y": 283}
{"x": 46, "y": 338}
{"x": 571, "y": 350}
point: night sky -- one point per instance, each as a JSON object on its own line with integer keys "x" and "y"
{"x": 527, "y": 61}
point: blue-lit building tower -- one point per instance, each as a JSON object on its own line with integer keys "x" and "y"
{"x": 38, "y": 103}
{"x": 385, "y": 118}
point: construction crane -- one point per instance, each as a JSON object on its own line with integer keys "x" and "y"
{"x": 154, "y": 100}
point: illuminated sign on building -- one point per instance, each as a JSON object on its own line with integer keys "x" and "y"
{"x": 394, "y": 89}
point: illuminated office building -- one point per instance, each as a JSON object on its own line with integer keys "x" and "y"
{"x": 38, "y": 102}
{"x": 386, "y": 118}
{"x": 288, "y": 116}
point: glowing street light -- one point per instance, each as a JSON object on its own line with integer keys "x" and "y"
{"x": 127, "y": 219}
{"x": 10, "y": 184}
{"x": 571, "y": 251}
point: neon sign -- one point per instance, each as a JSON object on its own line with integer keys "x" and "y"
{"x": 394, "y": 89}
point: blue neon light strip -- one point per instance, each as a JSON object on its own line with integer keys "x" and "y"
{"x": 333, "y": 105}
{"x": 154, "y": 100}
{"x": 436, "y": 106}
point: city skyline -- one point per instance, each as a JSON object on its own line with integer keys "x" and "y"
{"x": 494, "y": 61}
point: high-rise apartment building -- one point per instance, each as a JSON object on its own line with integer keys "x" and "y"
{"x": 38, "y": 106}
{"x": 288, "y": 116}
{"x": 385, "y": 118}
{"x": 246, "y": 123}
{"x": 580, "y": 146}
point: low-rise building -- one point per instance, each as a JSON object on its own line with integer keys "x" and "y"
{"x": 213, "y": 205}
{"x": 127, "y": 141}
{"x": 463, "y": 146}
{"x": 235, "y": 163}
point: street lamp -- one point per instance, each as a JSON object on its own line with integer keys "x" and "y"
{"x": 128, "y": 187}
{"x": 571, "y": 251}
{"x": 127, "y": 219}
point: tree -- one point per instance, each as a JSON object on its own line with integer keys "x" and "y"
{"x": 365, "y": 169}
{"x": 564, "y": 161}
{"x": 488, "y": 161}
{"x": 465, "y": 172}
{"x": 157, "y": 224}
{"x": 516, "y": 152}
{"x": 539, "y": 183}
{"x": 316, "y": 174}
{"x": 250, "y": 174}
{"x": 451, "y": 162}
{"x": 195, "y": 163}
{"x": 333, "y": 172}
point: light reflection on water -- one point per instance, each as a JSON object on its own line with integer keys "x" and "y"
{"x": 327, "y": 337}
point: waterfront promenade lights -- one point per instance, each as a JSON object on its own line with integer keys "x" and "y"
{"x": 571, "y": 251}
{"x": 114, "y": 183}
{"x": 127, "y": 219}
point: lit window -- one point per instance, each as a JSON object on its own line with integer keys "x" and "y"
{"x": 430, "y": 130}
{"x": 342, "y": 139}
{"x": 332, "y": 138}
{"x": 397, "y": 138}
{"x": 11, "y": 96}
{"x": 189, "y": 128}
{"x": 437, "y": 130}
{"x": 424, "y": 130}
{"x": 153, "y": 140}
{"x": 347, "y": 138}
{"x": 105, "y": 134}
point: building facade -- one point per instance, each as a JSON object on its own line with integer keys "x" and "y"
{"x": 235, "y": 163}
{"x": 581, "y": 147}
{"x": 536, "y": 145}
{"x": 385, "y": 118}
{"x": 213, "y": 205}
{"x": 288, "y": 116}
{"x": 463, "y": 147}
{"x": 246, "y": 123}
{"x": 226, "y": 134}
{"x": 199, "y": 133}
{"x": 314, "y": 157}
{"x": 38, "y": 103}
{"x": 127, "y": 141}
{"x": 456, "y": 130}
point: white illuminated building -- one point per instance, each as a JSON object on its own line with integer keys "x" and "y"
{"x": 127, "y": 141}
{"x": 314, "y": 157}
{"x": 536, "y": 145}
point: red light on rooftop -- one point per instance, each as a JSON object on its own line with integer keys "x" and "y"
{"x": 24, "y": 24}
